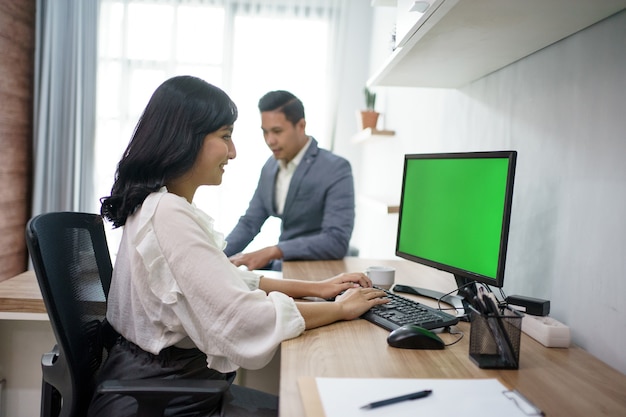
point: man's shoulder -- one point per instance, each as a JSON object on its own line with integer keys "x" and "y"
{"x": 331, "y": 158}
{"x": 326, "y": 155}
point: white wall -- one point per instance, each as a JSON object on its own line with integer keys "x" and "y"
{"x": 562, "y": 109}
{"x": 22, "y": 343}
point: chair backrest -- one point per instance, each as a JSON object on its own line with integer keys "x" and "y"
{"x": 72, "y": 263}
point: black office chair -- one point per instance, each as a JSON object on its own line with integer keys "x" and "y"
{"x": 73, "y": 267}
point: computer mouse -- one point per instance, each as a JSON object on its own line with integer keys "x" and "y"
{"x": 411, "y": 336}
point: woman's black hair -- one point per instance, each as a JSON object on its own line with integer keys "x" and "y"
{"x": 166, "y": 141}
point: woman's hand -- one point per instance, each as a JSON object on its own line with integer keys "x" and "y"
{"x": 348, "y": 306}
{"x": 330, "y": 287}
{"x": 325, "y": 289}
{"x": 356, "y": 301}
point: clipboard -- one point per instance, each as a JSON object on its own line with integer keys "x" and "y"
{"x": 311, "y": 401}
{"x": 343, "y": 397}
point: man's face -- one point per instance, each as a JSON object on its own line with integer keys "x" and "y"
{"x": 283, "y": 138}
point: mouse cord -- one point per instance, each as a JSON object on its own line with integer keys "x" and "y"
{"x": 456, "y": 332}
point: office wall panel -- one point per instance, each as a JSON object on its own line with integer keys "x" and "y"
{"x": 17, "y": 44}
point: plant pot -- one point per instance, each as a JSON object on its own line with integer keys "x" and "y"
{"x": 369, "y": 119}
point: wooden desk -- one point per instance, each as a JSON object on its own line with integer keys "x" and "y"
{"x": 562, "y": 382}
{"x": 20, "y": 298}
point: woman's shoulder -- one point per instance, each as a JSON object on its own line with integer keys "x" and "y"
{"x": 160, "y": 204}
{"x": 175, "y": 212}
{"x": 167, "y": 200}
{"x": 164, "y": 200}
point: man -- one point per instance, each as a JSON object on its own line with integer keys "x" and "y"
{"x": 310, "y": 189}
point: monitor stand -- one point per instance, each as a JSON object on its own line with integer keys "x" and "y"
{"x": 458, "y": 301}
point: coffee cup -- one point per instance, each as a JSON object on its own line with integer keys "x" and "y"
{"x": 381, "y": 276}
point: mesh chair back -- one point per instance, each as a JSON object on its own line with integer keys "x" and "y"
{"x": 73, "y": 268}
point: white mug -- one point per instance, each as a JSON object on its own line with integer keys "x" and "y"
{"x": 381, "y": 276}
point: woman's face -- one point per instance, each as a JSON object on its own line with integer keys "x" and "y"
{"x": 217, "y": 150}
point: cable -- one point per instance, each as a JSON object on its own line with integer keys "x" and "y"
{"x": 503, "y": 295}
{"x": 449, "y": 293}
{"x": 449, "y": 329}
{"x": 501, "y": 302}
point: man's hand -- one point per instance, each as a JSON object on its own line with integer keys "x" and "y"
{"x": 257, "y": 259}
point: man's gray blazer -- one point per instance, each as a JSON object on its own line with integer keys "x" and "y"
{"x": 318, "y": 216}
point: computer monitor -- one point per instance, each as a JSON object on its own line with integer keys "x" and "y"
{"x": 454, "y": 215}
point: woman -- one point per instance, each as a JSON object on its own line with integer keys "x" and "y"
{"x": 180, "y": 307}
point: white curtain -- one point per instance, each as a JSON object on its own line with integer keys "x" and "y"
{"x": 330, "y": 13}
{"x": 246, "y": 47}
{"x": 64, "y": 109}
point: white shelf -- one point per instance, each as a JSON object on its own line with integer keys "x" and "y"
{"x": 463, "y": 40}
{"x": 380, "y": 204}
{"x": 369, "y": 133}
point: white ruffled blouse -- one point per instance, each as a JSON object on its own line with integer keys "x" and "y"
{"x": 173, "y": 285}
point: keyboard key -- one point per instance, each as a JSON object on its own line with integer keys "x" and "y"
{"x": 401, "y": 310}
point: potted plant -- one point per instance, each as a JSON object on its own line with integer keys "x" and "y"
{"x": 369, "y": 116}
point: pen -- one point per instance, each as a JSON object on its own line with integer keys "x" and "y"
{"x": 413, "y": 396}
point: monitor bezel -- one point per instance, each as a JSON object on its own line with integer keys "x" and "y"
{"x": 462, "y": 276}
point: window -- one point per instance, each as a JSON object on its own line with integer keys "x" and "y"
{"x": 246, "y": 48}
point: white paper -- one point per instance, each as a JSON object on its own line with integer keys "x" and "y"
{"x": 344, "y": 397}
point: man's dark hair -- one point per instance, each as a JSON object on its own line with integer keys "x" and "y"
{"x": 285, "y": 102}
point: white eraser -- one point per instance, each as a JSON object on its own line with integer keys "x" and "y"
{"x": 546, "y": 330}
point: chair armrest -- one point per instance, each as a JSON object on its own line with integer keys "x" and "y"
{"x": 160, "y": 386}
{"x": 154, "y": 394}
{"x": 49, "y": 358}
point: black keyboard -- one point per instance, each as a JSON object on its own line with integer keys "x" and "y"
{"x": 401, "y": 310}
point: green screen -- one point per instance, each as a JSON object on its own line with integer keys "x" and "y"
{"x": 453, "y": 211}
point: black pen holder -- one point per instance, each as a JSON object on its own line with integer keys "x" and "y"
{"x": 495, "y": 338}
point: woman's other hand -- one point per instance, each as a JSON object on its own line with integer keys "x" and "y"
{"x": 331, "y": 287}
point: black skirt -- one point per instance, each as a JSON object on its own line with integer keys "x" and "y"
{"x": 126, "y": 360}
